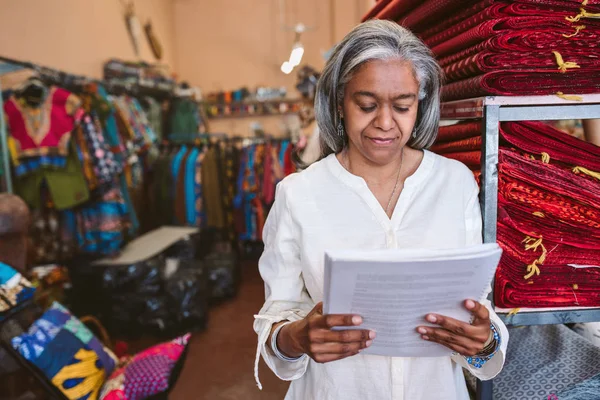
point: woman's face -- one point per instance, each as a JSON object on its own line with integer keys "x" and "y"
{"x": 380, "y": 109}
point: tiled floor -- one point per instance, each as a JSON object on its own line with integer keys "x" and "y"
{"x": 220, "y": 362}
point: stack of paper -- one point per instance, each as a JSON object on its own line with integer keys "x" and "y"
{"x": 393, "y": 290}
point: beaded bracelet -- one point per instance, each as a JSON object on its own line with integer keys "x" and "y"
{"x": 479, "y": 360}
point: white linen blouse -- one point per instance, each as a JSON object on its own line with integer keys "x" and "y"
{"x": 325, "y": 207}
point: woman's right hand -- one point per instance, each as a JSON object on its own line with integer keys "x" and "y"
{"x": 314, "y": 336}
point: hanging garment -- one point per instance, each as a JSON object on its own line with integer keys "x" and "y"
{"x": 180, "y": 205}
{"x": 199, "y": 207}
{"x": 51, "y": 237}
{"x": 184, "y": 119}
{"x": 211, "y": 188}
{"x": 189, "y": 187}
{"x": 67, "y": 187}
{"x": 154, "y": 113}
{"x": 44, "y": 131}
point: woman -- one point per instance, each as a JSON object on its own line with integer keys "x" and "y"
{"x": 377, "y": 108}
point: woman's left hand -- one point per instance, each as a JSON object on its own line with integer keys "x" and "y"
{"x": 461, "y": 337}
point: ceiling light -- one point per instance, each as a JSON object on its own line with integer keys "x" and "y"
{"x": 286, "y": 67}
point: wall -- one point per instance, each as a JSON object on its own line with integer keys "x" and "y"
{"x": 227, "y": 44}
{"x": 78, "y": 36}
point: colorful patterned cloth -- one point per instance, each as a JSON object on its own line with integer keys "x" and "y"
{"x": 147, "y": 374}
{"x": 66, "y": 352}
{"x": 44, "y": 130}
{"x": 14, "y": 289}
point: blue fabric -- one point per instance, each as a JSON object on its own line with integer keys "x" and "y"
{"x": 6, "y": 273}
{"x": 237, "y": 201}
{"x": 176, "y": 165}
{"x": 189, "y": 187}
{"x": 589, "y": 389}
{"x": 29, "y": 165}
{"x": 11, "y": 280}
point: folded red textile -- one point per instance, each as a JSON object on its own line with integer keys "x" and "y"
{"x": 487, "y": 61}
{"x": 377, "y": 7}
{"x": 461, "y": 15}
{"x": 471, "y": 159}
{"x": 530, "y": 41}
{"x": 514, "y": 242}
{"x": 556, "y": 286}
{"x": 489, "y": 28}
{"x": 520, "y": 83}
{"x": 430, "y": 11}
{"x": 471, "y": 144}
{"x": 533, "y": 223}
{"x": 459, "y": 131}
{"x": 546, "y": 201}
{"x": 499, "y": 11}
{"x": 396, "y": 8}
{"x": 577, "y": 189}
{"x": 537, "y": 137}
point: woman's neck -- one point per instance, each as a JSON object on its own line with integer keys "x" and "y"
{"x": 372, "y": 173}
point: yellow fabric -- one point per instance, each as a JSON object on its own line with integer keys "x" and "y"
{"x": 585, "y": 171}
{"x": 86, "y": 369}
{"x": 563, "y": 65}
{"x": 570, "y": 97}
{"x": 583, "y": 14}
{"x": 539, "y": 214}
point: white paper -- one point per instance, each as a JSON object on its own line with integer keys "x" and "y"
{"x": 393, "y": 290}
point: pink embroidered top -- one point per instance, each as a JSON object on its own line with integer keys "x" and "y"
{"x": 43, "y": 130}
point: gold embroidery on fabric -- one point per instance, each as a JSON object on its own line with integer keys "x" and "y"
{"x": 539, "y": 214}
{"x": 578, "y": 29}
{"x": 563, "y": 65}
{"x": 585, "y": 171}
{"x": 532, "y": 243}
{"x": 546, "y": 158}
{"x": 570, "y": 97}
{"x": 582, "y": 14}
{"x": 514, "y": 311}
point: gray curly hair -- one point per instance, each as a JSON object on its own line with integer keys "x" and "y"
{"x": 377, "y": 40}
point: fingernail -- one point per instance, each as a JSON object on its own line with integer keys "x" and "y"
{"x": 369, "y": 343}
{"x": 422, "y": 330}
{"x": 372, "y": 335}
{"x": 356, "y": 320}
{"x": 425, "y": 337}
{"x": 470, "y": 304}
{"x": 431, "y": 318}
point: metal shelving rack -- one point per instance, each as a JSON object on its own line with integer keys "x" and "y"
{"x": 494, "y": 110}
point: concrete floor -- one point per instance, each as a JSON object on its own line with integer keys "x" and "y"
{"x": 220, "y": 361}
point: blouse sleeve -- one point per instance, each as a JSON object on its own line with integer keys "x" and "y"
{"x": 474, "y": 236}
{"x": 286, "y": 297}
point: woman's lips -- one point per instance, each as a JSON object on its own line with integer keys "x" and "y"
{"x": 382, "y": 141}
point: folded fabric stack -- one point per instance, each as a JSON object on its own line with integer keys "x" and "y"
{"x": 501, "y": 47}
{"x": 548, "y": 212}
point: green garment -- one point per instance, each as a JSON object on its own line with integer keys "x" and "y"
{"x": 183, "y": 120}
{"x": 68, "y": 187}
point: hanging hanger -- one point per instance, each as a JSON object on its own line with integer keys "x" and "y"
{"x": 33, "y": 91}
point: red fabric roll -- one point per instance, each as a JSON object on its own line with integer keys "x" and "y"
{"x": 380, "y": 5}
{"x": 459, "y": 131}
{"x": 490, "y": 28}
{"x": 430, "y": 11}
{"x": 576, "y": 189}
{"x": 556, "y": 286}
{"x": 533, "y": 41}
{"x": 487, "y": 61}
{"x": 471, "y": 159}
{"x": 471, "y": 144}
{"x": 557, "y": 253}
{"x": 396, "y": 8}
{"x": 538, "y": 137}
{"x": 522, "y": 218}
{"x": 500, "y": 11}
{"x": 524, "y": 83}
{"x": 460, "y": 16}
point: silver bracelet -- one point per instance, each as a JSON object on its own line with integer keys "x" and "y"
{"x": 276, "y": 351}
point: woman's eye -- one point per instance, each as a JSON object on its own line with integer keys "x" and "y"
{"x": 368, "y": 109}
{"x": 401, "y": 109}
